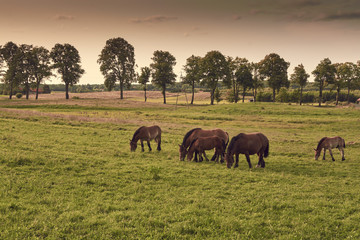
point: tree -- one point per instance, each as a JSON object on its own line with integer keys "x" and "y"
{"x": 40, "y": 66}
{"x": 9, "y": 54}
{"x": 214, "y": 68}
{"x": 230, "y": 81}
{"x": 324, "y": 74}
{"x": 338, "y": 84}
{"x": 244, "y": 76}
{"x": 144, "y": 78}
{"x": 117, "y": 61}
{"x": 258, "y": 80}
{"x": 217, "y": 95}
{"x": 274, "y": 69}
{"x": 162, "y": 70}
{"x": 347, "y": 73}
{"x": 193, "y": 73}
{"x": 300, "y": 77}
{"x": 67, "y": 62}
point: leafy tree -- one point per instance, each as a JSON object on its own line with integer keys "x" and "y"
{"x": 244, "y": 76}
{"x": 338, "y": 83}
{"x": 214, "y": 68}
{"x": 347, "y": 73}
{"x": 40, "y": 66}
{"x": 67, "y": 62}
{"x": 230, "y": 81}
{"x": 162, "y": 70}
{"x": 274, "y": 69}
{"x": 324, "y": 74}
{"x": 144, "y": 78}
{"x": 257, "y": 80}
{"x": 9, "y": 54}
{"x": 117, "y": 61}
{"x": 300, "y": 77}
{"x": 217, "y": 95}
{"x": 193, "y": 73}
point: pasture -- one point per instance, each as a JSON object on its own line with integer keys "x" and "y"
{"x": 67, "y": 172}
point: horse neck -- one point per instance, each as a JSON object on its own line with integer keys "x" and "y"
{"x": 135, "y": 138}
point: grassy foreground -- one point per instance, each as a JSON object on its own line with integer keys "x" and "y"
{"x": 67, "y": 172}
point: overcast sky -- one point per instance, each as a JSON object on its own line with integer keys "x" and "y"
{"x": 300, "y": 31}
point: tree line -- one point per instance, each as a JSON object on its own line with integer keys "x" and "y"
{"x": 27, "y": 65}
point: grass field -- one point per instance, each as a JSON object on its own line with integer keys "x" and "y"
{"x": 67, "y": 172}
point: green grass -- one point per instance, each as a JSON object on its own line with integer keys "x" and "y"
{"x": 67, "y": 172}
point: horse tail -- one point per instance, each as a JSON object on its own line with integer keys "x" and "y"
{"x": 224, "y": 144}
{"x": 266, "y": 152}
{"x": 228, "y": 139}
{"x": 343, "y": 143}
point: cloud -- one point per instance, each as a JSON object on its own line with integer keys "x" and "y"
{"x": 307, "y": 3}
{"x": 341, "y": 16}
{"x": 64, "y": 18}
{"x": 154, "y": 19}
{"x": 236, "y": 17}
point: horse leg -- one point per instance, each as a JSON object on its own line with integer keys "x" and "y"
{"x": 205, "y": 156}
{"x": 159, "y": 144}
{"x": 148, "y": 142}
{"x": 213, "y": 157}
{"x": 259, "y": 162}
{"x": 236, "y": 160}
{"x": 262, "y": 161}
{"x": 142, "y": 145}
{"x": 196, "y": 157}
{"x": 342, "y": 154}
{"x": 324, "y": 153}
{"x": 248, "y": 160}
{"x": 331, "y": 155}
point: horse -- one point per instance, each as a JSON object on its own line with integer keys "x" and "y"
{"x": 196, "y": 133}
{"x": 329, "y": 143}
{"x": 201, "y": 144}
{"x": 146, "y": 134}
{"x": 248, "y": 144}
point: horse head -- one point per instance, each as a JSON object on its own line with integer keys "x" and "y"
{"x": 133, "y": 145}
{"x": 317, "y": 153}
{"x": 229, "y": 159}
{"x": 182, "y": 152}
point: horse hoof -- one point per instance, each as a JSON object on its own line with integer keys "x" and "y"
{"x": 257, "y": 166}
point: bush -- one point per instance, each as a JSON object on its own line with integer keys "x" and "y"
{"x": 19, "y": 95}
{"x": 264, "y": 97}
{"x": 283, "y": 96}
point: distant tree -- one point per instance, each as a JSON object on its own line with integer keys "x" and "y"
{"x": 300, "y": 77}
{"x": 338, "y": 83}
{"x": 230, "y": 80}
{"x": 117, "y": 62}
{"x": 217, "y": 95}
{"x": 162, "y": 70}
{"x": 258, "y": 80}
{"x": 67, "y": 62}
{"x": 214, "y": 68}
{"x": 244, "y": 76}
{"x": 9, "y": 53}
{"x": 144, "y": 78}
{"x": 274, "y": 69}
{"x": 348, "y": 73}
{"x": 324, "y": 74}
{"x": 40, "y": 66}
{"x": 193, "y": 73}
{"x": 2, "y": 63}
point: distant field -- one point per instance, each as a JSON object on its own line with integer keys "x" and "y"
{"x": 67, "y": 171}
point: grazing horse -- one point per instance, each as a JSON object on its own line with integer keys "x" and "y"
{"x": 146, "y": 134}
{"x": 196, "y": 133}
{"x": 248, "y": 144}
{"x": 201, "y": 144}
{"x": 329, "y": 143}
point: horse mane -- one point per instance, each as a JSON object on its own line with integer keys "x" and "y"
{"x": 187, "y": 135}
{"x": 227, "y": 142}
{"x": 192, "y": 143}
{"x": 320, "y": 142}
{"x": 137, "y": 132}
{"x": 232, "y": 142}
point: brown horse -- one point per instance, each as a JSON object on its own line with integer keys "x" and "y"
{"x": 196, "y": 133}
{"x": 146, "y": 134}
{"x": 201, "y": 144}
{"x": 329, "y": 143}
{"x": 248, "y": 144}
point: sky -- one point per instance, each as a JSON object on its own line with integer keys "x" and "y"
{"x": 300, "y": 31}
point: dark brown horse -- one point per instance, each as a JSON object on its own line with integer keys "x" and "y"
{"x": 248, "y": 144}
{"x": 146, "y": 134}
{"x": 196, "y": 133}
{"x": 329, "y": 143}
{"x": 201, "y": 144}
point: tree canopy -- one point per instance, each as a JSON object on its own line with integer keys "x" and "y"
{"x": 144, "y": 78}
{"x": 324, "y": 74}
{"x": 117, "y": 62}
{"x": 300, "y": 77}
{"x": 192, "y": 73}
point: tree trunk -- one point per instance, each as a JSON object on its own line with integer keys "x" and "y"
{"x": 121, "y": 90}
{"x": 320, "y": 96}
{"x": 164, "y": 95}
{"x": 337, "y": 96}
{"x": 212, "y": 95}
{"x": 273, "y": 94}
{"x": 66, "y": 91}
{"x": 27, "y": 89}
{"x": 254, "y": 94}
{"x": 243, "y": 95}
{"x": 235, "y": 95}
{"x": 145, "y": 91}
{"x": 37, "y": 89}
{"x": 348, "y": 95}
{"x": 193, "y": 93}
{"x": 301, "y": 91}
{"x": 11, "y": 90}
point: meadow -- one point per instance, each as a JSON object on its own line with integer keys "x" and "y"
{"x": 67, "y": 172}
